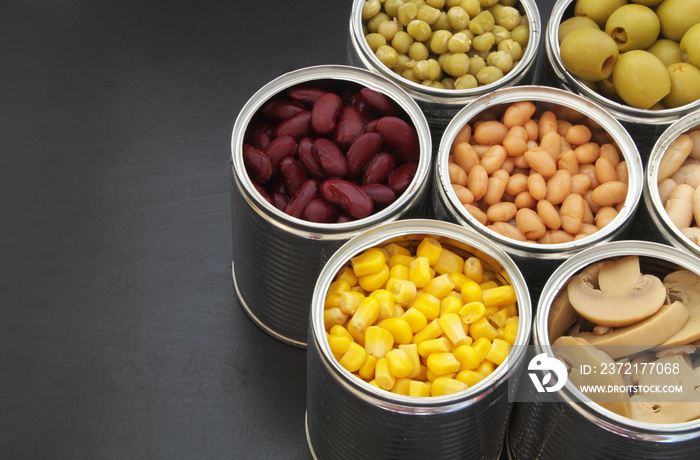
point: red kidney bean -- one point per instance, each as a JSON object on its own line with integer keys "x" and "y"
{"x": 279, "y": 148}
{"x": 297, "y": 126}
{"x": 361, "y": 152}
{"x": 371, "y": 126}
{"x": 379, "y": 103}
{"x": 360, "y": 104}
{"x": 324, "y": 114}
{"x": 257, "y": 163}
{"x": 330, "y": 157}
{"x": 278, "y": 110}
{"x": 379, "y": 169}
{"x": 400, "y": 137}
{"x": 307, "y": 95}
{"x": 381, "y": 195}
{"x": 348, "y": 196}
{"x": 263, "y": 192}
{"x": 308, "y": 191}
{"x": 350, "y": 125}
{"x": 344, "y": 217}
{"x": 400, "y": 179}
{"x": 307, "y": 157}
{"x": 262, "y": 134}
{"x": 279, "y": 200}
{"x": 319, "y": 210}
{"x": 275, "y": 185}
{"x": 293, "y": 175}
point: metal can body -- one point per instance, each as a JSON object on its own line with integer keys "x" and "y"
{"x": 537, "y": 261}
{"x": 348, "y": 418}
{"x": 581, "y": 430}
{"x": 276, "y": 257}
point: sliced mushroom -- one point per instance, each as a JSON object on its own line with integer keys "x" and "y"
{"x": 624, "y": 296}
{"x": 561, "y": 316}
{"x": 640, "y": 336}
{"x": 576, "y": 353}
{"x": 676, "y": 350}
{"x": 644, "y": 410}
{"x": 674, "y": 370}
{"x": 684, "y": 286}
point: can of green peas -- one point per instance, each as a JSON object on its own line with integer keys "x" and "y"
{"x": 290, "y": 209}
{"x": 352, "y": 414}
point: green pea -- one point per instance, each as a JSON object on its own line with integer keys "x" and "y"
{"x": 487, "y": 3}
{"x": 391, "y": 7}
{"x": 476, "y": 63}
{"x": 466, "y": 82}
{"x": 448, "y": 83}
{"x": 370, "y": 8}
{"x": 457, "y": 64}
{"x": 459, "y": 43}
{"x": 521, "y": 34}
{"x": 500, "y": 59}
{"x": 439, "y": 40}
{"x": 442, "y": 22}
{"x": 410, "y": 76}
{"x": 482, "y": 23}
{"x": 433, "y": 84}
{"x": 418, "y": 51}
{"x": 407, "y": 13}
{"x": 436, "y": 3}
{"x": 488, "y": 75}
{"x": 374, "y": 21}
{"x": 428, "y": 69}
{"x": 500, "y": 33}
{"x": 401, "y": 63}
{"x": 483, "y": 42}
{"x": 389, "y": 28}
{"x": 420, "y": 30}
{"x": 473, "y": 7}
{"x": 508, "y": 17}
{"x": 428, "y": 14}
{"x": 402, "y": 42}
{"x": 387, "y": 55}
{"x": 511, "y": 47}
{"x": 375, "y": 40}
{"x": 458, "y": 18}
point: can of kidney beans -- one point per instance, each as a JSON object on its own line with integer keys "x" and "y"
{"x": 655, "y": 222}
{"x": 277, "y": 256}
{"x": 441, "y": 104}
{"x": 542, "y": 427}
{"x": 348, "y": 418}
{"x": 645, "y": 125}
{"x": 537, "y": 260}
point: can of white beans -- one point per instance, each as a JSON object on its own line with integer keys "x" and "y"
{"x": 645, "y": 125}
{"x": 529, "y": 221}
{"x": 277, "y": 256}
{"x": 438, "y": 102}
{"x": 349, "y": 418}
{"x": 543, "y": 424}
{"x": 671, "y": 210}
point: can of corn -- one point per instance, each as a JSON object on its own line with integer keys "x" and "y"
{"x": 438, "y": 102}
{"x": 349, "y": 418}
{"x": 542, "y": 425}
{"x": 674, "y": 170}
{"x": 537, "y": 260}
{"x": 276, "y": 257}
{"x": 645, "y": 125}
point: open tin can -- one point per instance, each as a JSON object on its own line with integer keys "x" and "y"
{"x": 277, "y": 257}
{"x": 348, "y": 418}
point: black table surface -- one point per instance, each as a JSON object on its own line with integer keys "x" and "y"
{"x": 120, "y": 332}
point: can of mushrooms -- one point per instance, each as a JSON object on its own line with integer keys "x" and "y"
{"x": 617, "y": 329}
{"x": 671, "y": 196}
{"x": 298, "y": 193}
{"x": 442, "y": 407}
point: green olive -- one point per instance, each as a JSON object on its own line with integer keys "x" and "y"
{"x": 649, "y": 3}
{"x": 641, "y": 79}
{"x": 633, "y": 27}
{"x": 574, "y": 23}
{"x": 690, "y": 45}
{"x": 677, "y": 16}
{"x": 668, "y": 51}
{"x": 607, "y": 89}
{"x": 598, "y": 10}
{"x": 685, "y": 84}
{"x": 589, "y": 54}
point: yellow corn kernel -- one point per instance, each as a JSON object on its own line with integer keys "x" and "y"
{"x": 470, "y": 378}
{"x": 450, "y": 304}
{"x": 438, "y": 345}
{"x": 357, "y": 288}
{"x": 427, "y": 304}
{"x": 500, "y": 295}
{"x": 400, "y": 364}
{"x": 398, "y": 311}
{"x": 419, "y": 389}
{"x": 431, "y": 249}
{"x": 499, "y": 351}
{"x": 333, "y": 316}
{"x": 430, "y": 331}
{"x": 510, "y": 330}
{"x": 430, "y": 376}
{"x": 482, "y": 347}
{"x": 439, "y": 286}
{"x": 411, "y": 349}
{"x": 500, "y": 333}
{"x": 378, "y": 341}
{"x": 383, "y": 376}
{"x": 443, "y": 386}
{"x": 331, "y": 301}
{"x": 486, "y": 368}
{"x": 471, "y": 312}
{"x": 339, "y": 330}
{"x": 374, "y": 281}
{"x": 370, "y": 261}
{"x": 404, "y": 291}
{"x": 449, "y": 262}
{"x": 392, "y": 249}
{"x": 451, "y": 325}
{"x": 490, "y": 284}
{"x": 422, "y": 374}
{"x": 419, "y": 271}
{"x": 366, "y": 314}
{"x": 347, "y": 274}
{"x": 401, "y": 386}
{"x": 499, "y": 318}
{"x": 490, "y": 310}
{"x": 353, "y": 358}
{"x": 399, "y": 271}
{"x": 482, "y": 328}
{"x": 400, "y": 259}
{"x": 512, "y": 309}
{"x": 338, "y": 287}
{"x": 339, "y": 344}
{"x": 415, "y": 319}
{"x": 459, "y": 279}
{"x": 366, "y": 371}
{"x": 350, "y": 301}
{"x": 399, "y": 329}
{"x": 474, "y": 270}
{"x": 471, "y": 292}
{"x": 443, "y": 363}
{"x": 386, "y": 303}
{"x": 468, "y": 357}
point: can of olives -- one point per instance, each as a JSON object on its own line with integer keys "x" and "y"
{"x": 276, "y": 256}
{"x": 542, "y": 427}
{"x": 538, "y": 260}
{"x": 439, "y": 103}
{"x": 645, "y": 125}
{"x": 348, "y": 418}
{"x": 678, "y": 178}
